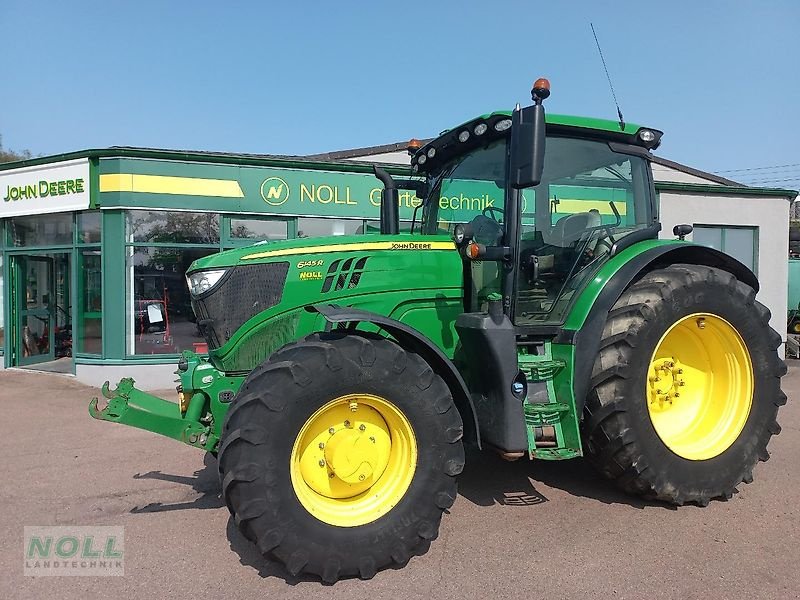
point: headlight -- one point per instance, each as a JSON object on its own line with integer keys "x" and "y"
{"x": 459, "y": 233}
{"x": 463, "y": 136}
{"x": 646, "y": 135}
{"x": 422, "y": 158}
{"x": 502, "y": 125}
{"x": 202, "y": 281}
{"x": 480, "y": 129}
{"x": 431, "y": 152}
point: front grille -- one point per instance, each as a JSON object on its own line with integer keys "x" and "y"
{"x": 243, "y": 293}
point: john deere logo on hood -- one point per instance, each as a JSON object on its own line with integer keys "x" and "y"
{"x": 275, "y": 191}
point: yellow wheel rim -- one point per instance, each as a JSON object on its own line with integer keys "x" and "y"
{"x": 700, "y": 386}
{"x": 353, "y": 460}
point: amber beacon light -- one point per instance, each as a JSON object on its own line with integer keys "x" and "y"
{"x": 541, "y": 89}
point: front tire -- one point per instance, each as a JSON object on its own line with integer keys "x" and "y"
{"x": 339, "y": 455}
{"x": 685, "y": 388}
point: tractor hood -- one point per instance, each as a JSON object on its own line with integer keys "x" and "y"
{"x": 320, "y": 245}
{"x": 250, "y": 301}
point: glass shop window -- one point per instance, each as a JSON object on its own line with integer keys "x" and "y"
{"x": 41, "y": 230}
{"x": 740, "y": 242}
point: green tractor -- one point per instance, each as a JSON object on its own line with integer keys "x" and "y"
{"x": 531, "y": 310}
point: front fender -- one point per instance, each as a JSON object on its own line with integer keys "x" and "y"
{"x": 411, "y": 339}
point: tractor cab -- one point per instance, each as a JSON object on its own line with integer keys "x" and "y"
{"x": 594, "y": 197}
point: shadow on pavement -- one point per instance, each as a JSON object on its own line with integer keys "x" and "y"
{"x": 487, "y": 479}
{"x": 205, "y": 482}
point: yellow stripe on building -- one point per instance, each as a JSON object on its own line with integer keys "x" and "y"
{"x": 570, "y": 207}
{"x": 162, "y": 184}
{"x": 356, "y": 247}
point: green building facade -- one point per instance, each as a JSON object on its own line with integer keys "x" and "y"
{"x": 95, "y": 244}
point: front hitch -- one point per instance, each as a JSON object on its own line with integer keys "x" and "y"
{"x": 129, "y": 406}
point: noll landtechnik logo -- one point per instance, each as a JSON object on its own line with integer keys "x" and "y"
{"x": 74, "y": 551}
{"x": 275, "y": 191}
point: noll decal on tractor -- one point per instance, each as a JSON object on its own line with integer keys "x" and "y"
{"x": 530, "y": 326}
{"x": 306, "y": 275}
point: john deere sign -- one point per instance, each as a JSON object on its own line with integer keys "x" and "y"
{"x": 57, "y": 187}
{"x": 44, "y": 188}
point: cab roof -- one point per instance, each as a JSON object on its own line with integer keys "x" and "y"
{"x": 568, "y": 121}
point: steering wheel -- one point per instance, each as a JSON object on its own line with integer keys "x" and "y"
{"x": 490, "y": 211}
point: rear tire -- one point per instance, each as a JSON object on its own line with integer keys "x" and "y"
{"x": 261, "y": 455}
{"x": 623, "y": 435}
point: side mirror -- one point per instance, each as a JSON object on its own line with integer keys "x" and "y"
{"x": 527, "y": 147}
{"x": 528, "y": 140}
{"x": 682, "y": 231}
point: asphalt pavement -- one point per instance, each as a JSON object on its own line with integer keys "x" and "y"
{"x": 517, "y": 530}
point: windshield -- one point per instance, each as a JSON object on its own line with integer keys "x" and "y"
{"x": 590, "y": 196}
{"x": 473, "y": 184}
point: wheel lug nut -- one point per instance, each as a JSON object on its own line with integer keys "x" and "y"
{"x": 321, "y": 445}
{"x": 331, "y": 431}
{"x": 322, "y": 463}
{"x": 347, "y": 423}
{"x": 362, "y": 427}
{"x": 362, "y": 477}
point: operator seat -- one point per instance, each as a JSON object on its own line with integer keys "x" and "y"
{"x": 570, "y": 228}
{"x": 555, "y": 253}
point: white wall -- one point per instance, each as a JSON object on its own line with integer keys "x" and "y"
{"x": 665, "y": 173}
{"x": 769, "y": 214}
{"x": 147, "y": 377}
{"x": 401, "y": 157}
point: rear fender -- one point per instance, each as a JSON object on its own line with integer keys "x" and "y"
{"x": 585, "y": 333}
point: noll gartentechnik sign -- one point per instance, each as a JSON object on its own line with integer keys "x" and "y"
{"x": 41, "y": 189}
{"x": 286, "y": 191}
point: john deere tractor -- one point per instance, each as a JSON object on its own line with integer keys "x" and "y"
{"x": 531, "y": 310}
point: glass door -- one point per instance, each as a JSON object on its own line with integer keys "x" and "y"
{"x": 35, "y": 305}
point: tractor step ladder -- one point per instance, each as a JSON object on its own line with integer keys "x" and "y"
{"x": 551, "y": 425}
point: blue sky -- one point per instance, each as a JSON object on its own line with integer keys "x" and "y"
{"x": 720, "y": 78}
